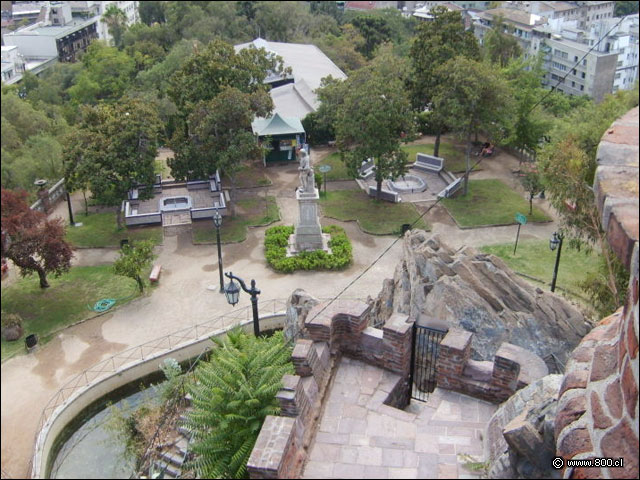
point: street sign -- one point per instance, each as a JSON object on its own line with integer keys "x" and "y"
{"x": 521, "y": 219}
{"x": 324, "y": 168}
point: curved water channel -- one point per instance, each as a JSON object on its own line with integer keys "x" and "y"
{"x": 88, "y": 449}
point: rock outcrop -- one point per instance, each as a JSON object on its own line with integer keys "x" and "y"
{"x": 299, "y": 304}
{"x": 520, "y": 441}
{"x": 478, "y": 293}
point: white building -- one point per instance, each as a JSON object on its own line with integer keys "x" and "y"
{"x": 13, "y": 64}
{"x": 294, "y": 97}
{"x": 97, "y": 8}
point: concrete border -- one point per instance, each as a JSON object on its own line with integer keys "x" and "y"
{"x": 129, "y": 373}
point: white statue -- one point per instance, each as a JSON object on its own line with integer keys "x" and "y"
{"x": 307, "y": 177}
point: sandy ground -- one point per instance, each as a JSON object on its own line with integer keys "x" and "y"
{"x": 182, "y": 298}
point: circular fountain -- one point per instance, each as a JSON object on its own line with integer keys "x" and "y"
{"x": 408, "y": 184}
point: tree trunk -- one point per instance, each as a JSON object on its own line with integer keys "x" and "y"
{"x": 530, "y": 204}
{"x": 436, "y": 146}
{"x": 43, "y": 277}
{"x": 466, "y": 173}
{"x": 86, "y": 204}
{"x": 378, "y": 188}
{"x": 119, "y": 219}
{"x": 140, "y": 283}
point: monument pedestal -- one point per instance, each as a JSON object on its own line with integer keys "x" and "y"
{"x": 308, "y": 236}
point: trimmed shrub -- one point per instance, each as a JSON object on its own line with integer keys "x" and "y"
{"x": 276, "y": 240}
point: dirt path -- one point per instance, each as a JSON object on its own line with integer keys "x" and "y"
{"x": 183, "y": 298}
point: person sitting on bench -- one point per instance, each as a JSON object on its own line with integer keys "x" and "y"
{"x": 487, "y": 150}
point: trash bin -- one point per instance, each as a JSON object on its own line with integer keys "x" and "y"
{"x": 405, "y": 228}
{"x": 31, "y": 341}
{"x": 123, "y": 242}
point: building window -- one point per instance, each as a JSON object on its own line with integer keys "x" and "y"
{"x": 617, "y": 75}
{"x": 582, "y": 88}
{"x": 583, "y": 75}
{"x": 584, "y": 62}
{"x": 573, "y": 84}
{"x": 575, "y": 59}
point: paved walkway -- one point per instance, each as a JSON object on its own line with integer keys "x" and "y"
{"x": 182, "y": 299}
{"x": 360, "y": 437}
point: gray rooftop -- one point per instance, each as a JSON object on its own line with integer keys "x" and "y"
{"x": 53, "y": 30}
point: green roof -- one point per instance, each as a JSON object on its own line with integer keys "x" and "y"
{"x": 276, "y": 125}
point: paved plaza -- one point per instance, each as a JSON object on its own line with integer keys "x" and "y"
{"x": 360, "y": 437}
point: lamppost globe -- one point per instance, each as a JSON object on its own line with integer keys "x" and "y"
{"x": 554, "y": 241}
{"x": 217, "y": 219}
{"x": 232, "y": 292}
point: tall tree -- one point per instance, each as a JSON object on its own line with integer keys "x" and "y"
{"x": 116, "y": 21}
{"x": 113, "y": 150}
{"x": 374, "y": 119}
{"x": 34, "y": 243}
{"x": 151, "y": 12}
{"x": 107, "y": 74}
{"x": 435, "y": 43}
{"x": 498, "y": 46}
{"x": 472, "y": 95}
{"x": 133, "y": 260}
{"x": 375, "y": 31}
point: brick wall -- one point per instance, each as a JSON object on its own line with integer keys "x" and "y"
{"x": 513, "y": 368}
{"x": 340, "y": 329}
{"x": 598, "y": 401}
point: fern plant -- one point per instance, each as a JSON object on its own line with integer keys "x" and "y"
{"x": 232, "y": 394}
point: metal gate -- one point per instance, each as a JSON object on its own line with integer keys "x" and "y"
{"x": 424, "y": 354}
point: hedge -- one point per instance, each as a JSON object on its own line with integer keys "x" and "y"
{"x": 276, "y": 240}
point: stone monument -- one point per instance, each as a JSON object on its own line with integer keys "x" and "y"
{"x": 308, "y": 234}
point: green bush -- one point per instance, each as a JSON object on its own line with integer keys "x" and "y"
{"x": 276, "y": 240}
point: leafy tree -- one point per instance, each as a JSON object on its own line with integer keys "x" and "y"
{"x": 530, "y": 124}
{"x": 107, "y": 74}
{"x": 116, "y": 21}
{"x": 288, "y": 21}
{"x": 220, "y": 135}
{"x": 373, "y": 119}
{"x": 151, "y": 12}
{"x": 533, "y": 185}
{"x": 232, "y": 394}
{"x": 146, "y": 54}
{"x": 34, "y": 243}
{"x": 624, "y": 8}
{"x": 158, "y": 76}
{"x": 374, "y": 29}
{"x": 113, "y": 150}
{"x": 499, "y": 47}
{"x": 207, "y": 72}
{"x": 472, "y": 95}
{"x": 344, "y": 49}
{"x": 133, "y": 260}
{"x": 435, "y": 43}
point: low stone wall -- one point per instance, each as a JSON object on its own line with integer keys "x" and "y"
{"x": 333, "y": 330}
{"x": 513, "y": 368}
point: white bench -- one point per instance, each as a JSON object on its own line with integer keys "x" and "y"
{"x": 367, "y": 169}
{"x": 385, "y": 194}
{"x": 428, "y": 162}
{"x": 451, "y": 189}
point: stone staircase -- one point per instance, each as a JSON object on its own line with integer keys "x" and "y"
{"x": 172, "y": 456}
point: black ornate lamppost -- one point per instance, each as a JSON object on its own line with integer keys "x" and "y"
{"x": 232, "y": 292}
{"x": 217, "y": 222}
{"x": 556, "y": 242}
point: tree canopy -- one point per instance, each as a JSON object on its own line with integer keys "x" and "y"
{"x": 32, "y": 242}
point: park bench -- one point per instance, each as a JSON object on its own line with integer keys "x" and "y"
{"x": 367, "y": 169}
{"x": 451, "y": 189}
{"x": 385, "y": 194}
{"x": 155, "y": 273}
{"x": 428, "y": 163}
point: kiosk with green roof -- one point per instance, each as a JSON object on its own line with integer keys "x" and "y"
{"x": 281, "y": 136}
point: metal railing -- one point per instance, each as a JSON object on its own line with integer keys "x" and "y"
{"x": 154, "y": 347}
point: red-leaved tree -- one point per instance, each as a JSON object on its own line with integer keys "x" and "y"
{"x": 34, "y": 243}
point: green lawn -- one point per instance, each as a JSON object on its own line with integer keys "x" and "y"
{"x": 533, "y": 257}
{"x": 45, "y": 311}
{"x": 376, "y": 217}
{"x": 249, "y": 176}
{"x": 250, "y": 212}
{"x": 454, "y": 159}
{"x": 100, "y": 230}
{"x": 490, "y": 202}
{"x": 454, "y": 156}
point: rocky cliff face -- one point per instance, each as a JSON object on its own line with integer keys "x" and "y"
{"x": 479, "y": 293}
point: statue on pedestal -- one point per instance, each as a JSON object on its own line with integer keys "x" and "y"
{"x": 307, "y": 176}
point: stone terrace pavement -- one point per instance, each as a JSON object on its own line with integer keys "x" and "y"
{"x": 360, "y": 437}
